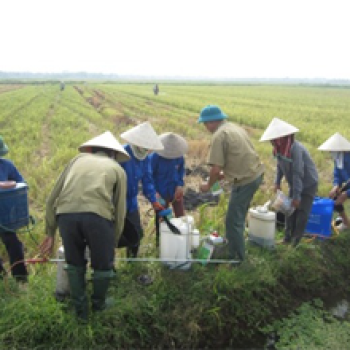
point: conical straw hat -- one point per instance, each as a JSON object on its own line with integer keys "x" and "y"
{"x": 143, "y": 135}
{"x": 107, "y": 140}
{"x": 336, "y": 143}
{"x": 278, "y": 128}
{"x": 175, "y": 146}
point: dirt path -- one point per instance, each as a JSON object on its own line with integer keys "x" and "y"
{"x": 7, "y": 88}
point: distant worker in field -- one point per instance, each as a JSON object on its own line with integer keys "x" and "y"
{"x": 156, "y": 89}
{"x": 88, "y": 204}
{"x": 141, "y": 139}
{"x": 339, "y": 147}
{"x": 232, "y": 156}
{"x": 62, "y": 85}
{"x": 295, "y": 164}
{"x": 9, "y": 176}
{"x": 168, "y": 172}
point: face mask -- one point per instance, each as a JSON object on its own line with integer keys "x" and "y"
{"x": 139, "y": 152}
{"x": 339, "y": 159}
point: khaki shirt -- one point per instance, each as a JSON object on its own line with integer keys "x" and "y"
{"x": 90, "y": 183}
{"x": 232, "y": 150}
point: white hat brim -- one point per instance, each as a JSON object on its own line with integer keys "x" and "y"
{"x": 336, "y": 143}
{"x": 143, "y": 135}
{"x": 175, "y": 146}
{"x": 108, "y": 141}
{"x": 278, "y": 128}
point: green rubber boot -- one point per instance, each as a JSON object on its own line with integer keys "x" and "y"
{"x": 76, "y": 278}
{"x": 100, "y": 281}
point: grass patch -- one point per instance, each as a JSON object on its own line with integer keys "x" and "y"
{"x": 206, "y": 307}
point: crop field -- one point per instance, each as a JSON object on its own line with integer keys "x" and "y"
{"x": 44, "y": 126}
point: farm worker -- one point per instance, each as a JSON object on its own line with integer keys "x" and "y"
{"x": 295, "y": 164}
{"x": 141, "y": 139}
{"x": 9, "y": 175}
{"x": 339, "y": 147}
{"x": 156, "y": 89}
{"x": 232, "y": 156}
{"x": 168, "y": 171}
{"x": 88, "y": 204}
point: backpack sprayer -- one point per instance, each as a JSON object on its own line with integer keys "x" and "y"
{"x": 14, "y": 213}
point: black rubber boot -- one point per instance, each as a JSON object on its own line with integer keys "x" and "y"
{"x": 76, "y": 278}
{"x": 100, "y": 281}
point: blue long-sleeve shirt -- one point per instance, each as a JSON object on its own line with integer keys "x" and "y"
{"x": 300, "y": 172}
{"x": 136, "y": 171}
{"x": 340, "y": 176}
{"x": 8, "y": 171}
{"x": 167, "y": 174}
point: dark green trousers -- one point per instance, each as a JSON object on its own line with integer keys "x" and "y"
{"x": 238, "y": 206}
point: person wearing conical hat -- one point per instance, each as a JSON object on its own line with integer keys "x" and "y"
{"x": 296, "y": 165}
{"x": 339, "y": 147}
{"x": 9, "y": 176}
{"x": 233, "y": 156}
{"x": 168, "y": 171}
{"x": 140, "y": 139}
{"x": 88, "y": 205}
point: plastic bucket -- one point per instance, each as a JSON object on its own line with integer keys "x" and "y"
{"x": 175, "y": 246}
{"x": 320, "y": 218}
{"x": 195, "y": 239}
{"x": 62, "y": 283}
{"x": 262, "y": 227}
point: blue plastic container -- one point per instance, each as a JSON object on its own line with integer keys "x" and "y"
{"x": 14, "y": 208}
{"x": 320, "y": 218}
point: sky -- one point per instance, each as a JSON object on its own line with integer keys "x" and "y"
{"x": 178, "y": 38}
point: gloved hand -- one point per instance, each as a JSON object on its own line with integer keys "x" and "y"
{"x": 160, "y": 200}
{"x": 157, "y": 206}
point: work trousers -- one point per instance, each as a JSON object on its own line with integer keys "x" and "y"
{"x": 79, "y": 230}
{"x": 296, "y": 223}
{"x": 135, "y": 219}
{"x": 14, "y": 248}
{"x": 238, "y": 206}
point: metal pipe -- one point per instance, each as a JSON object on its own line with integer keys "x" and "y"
{"x": 211, "y": 261}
